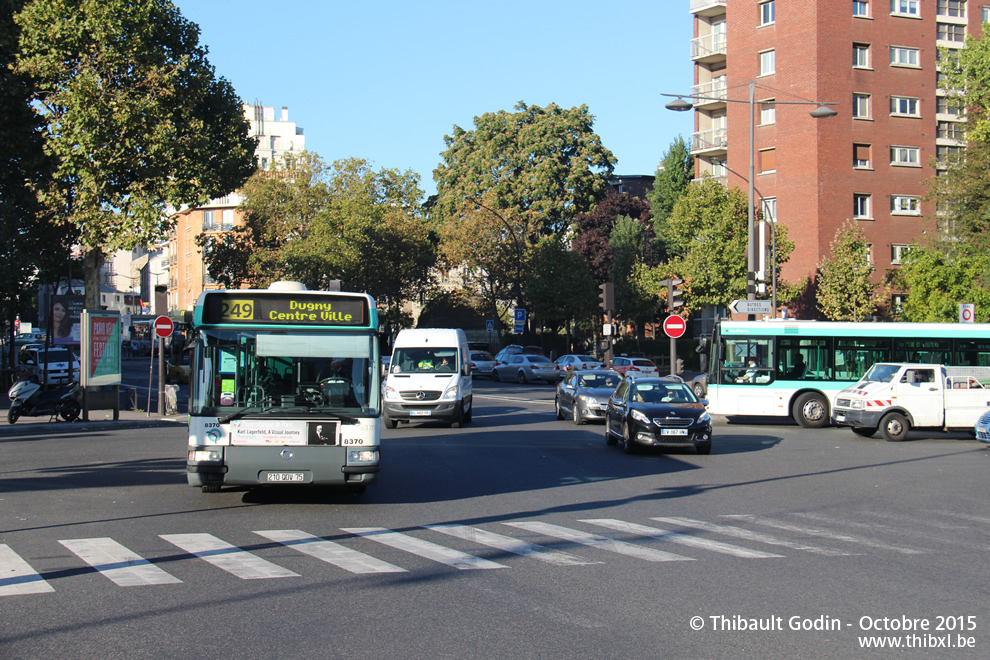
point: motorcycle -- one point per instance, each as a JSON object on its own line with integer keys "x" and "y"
{"x": 28, "y": 399}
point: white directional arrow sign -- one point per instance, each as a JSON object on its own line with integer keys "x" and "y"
{"x": 751, "y": 307}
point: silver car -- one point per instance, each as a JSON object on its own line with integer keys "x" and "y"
{"x": 524, "y": 368}
{"x": 482, "y": 363}
{"x": 569, "y": 363}
{"x": 584, "y": 394}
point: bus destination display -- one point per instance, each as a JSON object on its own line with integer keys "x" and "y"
{"x": 284, "y": 309}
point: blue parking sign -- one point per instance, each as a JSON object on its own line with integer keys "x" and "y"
{"x": 520, "y": 315}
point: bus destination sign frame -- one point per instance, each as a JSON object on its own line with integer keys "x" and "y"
{"x": 284, "y": 308}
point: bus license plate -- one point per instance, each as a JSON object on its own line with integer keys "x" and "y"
{"x": 673, "y": 432}
{"x": 420, "y": 413}
{"x": 285, "y": 476}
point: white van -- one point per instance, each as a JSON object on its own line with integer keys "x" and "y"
{"x": 429, "y": 377}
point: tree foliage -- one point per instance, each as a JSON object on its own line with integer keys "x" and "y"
{"x": 936, "y": 283}
{"x": 562, "y": 288}
{"x": 514, "y": 179}
{"x": 133, "y": 117}
{"x": 594, "y": 229}
{"x": 965, "y": 77}
{"x": 670, "y": 183}
{"x": 629, "y": 242}
{"x": 846, "y": 291}
{"x": 313, "y": 223}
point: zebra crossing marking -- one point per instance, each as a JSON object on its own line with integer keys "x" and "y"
{"x": 741, "y": 533}
{"x": 683, "y": 539}
{"x": 600, "y": 542}
{"x": 456, "y": 558}
{"x": 17, "y": 578}
{"x": 915, "y": 533}
{"x": 510, "y": 544}
{"x": 329, "y": 551}
{"x": 119, "y": 564}
{"x": 814, "y": 531}
{"x": 227, "y": 557}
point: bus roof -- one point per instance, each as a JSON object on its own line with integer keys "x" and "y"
{"x": 781, "y": 327}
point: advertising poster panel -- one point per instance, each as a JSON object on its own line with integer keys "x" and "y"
{"x": 101, "y": 340}
{"x": 66, "y": 318}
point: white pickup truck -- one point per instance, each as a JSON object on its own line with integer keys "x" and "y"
{"x": 894, "y": 398}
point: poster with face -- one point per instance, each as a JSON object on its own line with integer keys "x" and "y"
{"x": 66, "y": 314}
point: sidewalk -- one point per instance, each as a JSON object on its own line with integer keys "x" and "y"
{"x": 99, "y": 420}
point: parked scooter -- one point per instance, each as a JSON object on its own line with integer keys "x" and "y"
{"x": 28, "y": 399}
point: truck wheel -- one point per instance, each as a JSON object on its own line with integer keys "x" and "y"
{"x": 811, "y": 411}
{"x": 895, "y": 427}
{"x": 863, "y": 431}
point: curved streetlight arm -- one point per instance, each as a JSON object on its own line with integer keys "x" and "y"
{"x": 515, "y": 242}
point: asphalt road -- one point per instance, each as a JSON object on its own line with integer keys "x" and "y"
{"x": 518, "y": 536}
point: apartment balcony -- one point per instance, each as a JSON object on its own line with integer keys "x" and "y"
{"x": 714, "y": 93}
{"x": 710, "y": 143}
{"x": 708, "y": 7}
{"x": 709, "y": 48}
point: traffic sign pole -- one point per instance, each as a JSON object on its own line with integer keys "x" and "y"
{"x": 163, "y": 328}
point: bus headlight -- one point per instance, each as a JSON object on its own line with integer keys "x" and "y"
{"x": 362, "y": 457}
{"x": 451, "y": 393}
{"x": 205, "y": 455}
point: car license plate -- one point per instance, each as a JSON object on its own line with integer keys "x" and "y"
{"x": 673, "y": 432}
{"x": 420, "y": 413}
{"x": 285, "y": 476}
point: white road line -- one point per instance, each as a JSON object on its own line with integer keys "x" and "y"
{"x": 814, "y": 531}
{"x": 683, "y": 539}
{"x": 329, "y": 551}
{"x": 425, "y": 549}
{"x": 600, "y": 542}
{"x": 17, "y": 578}
{"x": 741, "y": 533}
{"x": 224, "y": 556}
{"x": 118, "y": 564}
{"x": 964, "y": 516}
{"x": 510, "y": 544}
{"x": 918, "y": 534}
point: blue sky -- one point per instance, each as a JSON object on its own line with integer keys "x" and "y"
{"x": 386, "y": 81}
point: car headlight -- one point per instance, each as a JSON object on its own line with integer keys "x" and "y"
{"x": 362, "y": 457}
{"x": 391, "y": 393}
{"x": 450, "y": 393}
{"x": 640, "y": 417}
{"x": 589, "y": 401}
{"x": 857, "y": 404}
{"x": 704, "y": 418}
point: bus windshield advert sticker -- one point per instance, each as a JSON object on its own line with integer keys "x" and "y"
{"x": 265, "y": 432}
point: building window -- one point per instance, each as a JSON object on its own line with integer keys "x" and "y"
{"x": 986, "y": 14}
{"x": 768, "y": 161}
{"x": 901, "y": 56}
{"x": 905, "y": 205}
{"x": 861, "y": 106}
{"x": 905, "y": 156}
{"x": 897, "y": 301}
{"x": 228, "y": 220}
{"x": 946, "y": 155}
{"x": 861, "y": 8}
{"x": 861, "y": 156}
{"x": 861, "y": 206}
{"x": 952, "y": 130}
{"x": 950, "y": 32}
{"x": 861, "y": 56}
{"x": 869, "y": 253}
{"x": 904, "y": 106}
{"x": 897, "y": 252}
{"x": 768, "y": 112}
{"x": 904, "y": 7}
{"x": 766, "y": 13}
{"x": 955, "y": 8}
{"x": 208, "y": 221}
{"x": 768, "y": 62}
{"x": 944, "y": 107}
{"x": 770, "y": 209}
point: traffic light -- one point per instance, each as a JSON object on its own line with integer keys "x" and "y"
{"x": 674, "y": 294}
{"x": 608, "y": 296}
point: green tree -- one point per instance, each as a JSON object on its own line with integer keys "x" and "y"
{"x": 937, "y": 283}
{"x": 515, "y": 178}
{"x": 669, "y": 184}
{"x": 965, "y": 77}
{"x": 628, "y": 244}
{"x": 562, "y": 288}
{"x": 133, "y": 116}
{"x": 846, "y": 291}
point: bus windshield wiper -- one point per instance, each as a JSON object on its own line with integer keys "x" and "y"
{"x": 250, "y": 410}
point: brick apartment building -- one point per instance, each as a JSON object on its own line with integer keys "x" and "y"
{"x": 878, "y": 60}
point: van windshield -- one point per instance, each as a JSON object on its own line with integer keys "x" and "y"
{"x": 880, "y": 373}
{"x": 424, "y": 360}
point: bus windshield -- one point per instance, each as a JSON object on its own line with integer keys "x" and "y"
{"x": 257, "y": 371}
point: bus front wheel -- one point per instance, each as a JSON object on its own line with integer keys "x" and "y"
{"x": 811, "y": 410}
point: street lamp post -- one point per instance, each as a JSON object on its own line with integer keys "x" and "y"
{"x": 515, "y": 242}
{"x": 680, "y": 105}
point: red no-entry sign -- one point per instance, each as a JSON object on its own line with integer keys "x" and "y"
{"x": 163, "y": 327}
{"x": 674, "y": 326}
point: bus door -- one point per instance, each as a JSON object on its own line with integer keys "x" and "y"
{"x": 747, "y": 367}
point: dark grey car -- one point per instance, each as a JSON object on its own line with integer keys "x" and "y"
{"x": 584, "y": 394}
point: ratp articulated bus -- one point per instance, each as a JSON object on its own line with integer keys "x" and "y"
{"x": 285, "y": 388}
{"x": 795, "y": 368}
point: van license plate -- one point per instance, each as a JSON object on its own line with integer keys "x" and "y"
{"x": 285, "y": 476}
